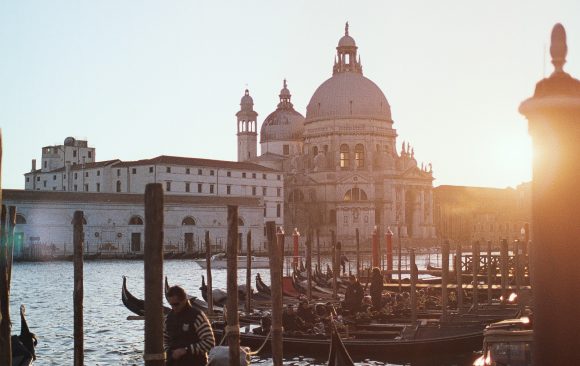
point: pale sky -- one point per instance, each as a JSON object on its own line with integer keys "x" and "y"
{"x": 140, "y": 79}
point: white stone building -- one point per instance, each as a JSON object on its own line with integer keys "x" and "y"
{"x": 341, "y": 166}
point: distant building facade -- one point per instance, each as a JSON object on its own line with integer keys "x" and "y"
{"x": 467, "y": 214}
{"x": 342, "y": 170}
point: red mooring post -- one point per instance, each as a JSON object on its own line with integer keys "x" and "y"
{"x": 295, "y": 252}
{"x": 153, "y": 268}
{"x": 389, "y": 241}
{"x": 375, "y": 249}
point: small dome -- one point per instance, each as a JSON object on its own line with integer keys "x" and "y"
{"x": 284, "y": 123}
{"x": 247, "y": 102}
{"x": 69, "y": 141}
{"x": 346, "y": 41}
{"x": 348, "y": 95}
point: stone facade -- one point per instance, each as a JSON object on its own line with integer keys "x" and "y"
{"x": 115, "y": 222}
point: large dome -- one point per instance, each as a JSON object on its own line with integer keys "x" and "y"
{"x": 348, "y": 95}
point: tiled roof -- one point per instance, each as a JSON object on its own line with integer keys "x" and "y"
{"x": 18, "y": 195}
{"x": 97, "y": 164}
{"x": 178, "y": 160}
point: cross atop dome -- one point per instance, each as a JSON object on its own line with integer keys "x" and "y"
{"x": 346, "y": 60}
{"x": 558, "y": 48}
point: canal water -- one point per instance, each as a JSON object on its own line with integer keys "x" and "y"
{"x": 110, "y": 339}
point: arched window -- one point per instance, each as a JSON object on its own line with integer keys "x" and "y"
{"x": 118, "y": 186}
{"x": 135, "y": 220}
{"x": 188, "y": 221}
{"x": 344, "y": 156}
{"x": 359, "y": 156}
{"x": 240, "y": 221}
{"x": 296, "y": 196}
{"x": 20, "y": 220}
{"x": 355, "y": 194}
{"x": 332, "y": 217}
{"x": 315, "y": 150}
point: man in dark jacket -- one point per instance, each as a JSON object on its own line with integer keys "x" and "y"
{"x": 354, "y": 295}
{"x": 188, "y": 335}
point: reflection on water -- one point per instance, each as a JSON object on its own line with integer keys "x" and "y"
{"x": 47, "y": 291}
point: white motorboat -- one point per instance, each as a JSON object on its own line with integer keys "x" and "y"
{"x": 219, "y": 261}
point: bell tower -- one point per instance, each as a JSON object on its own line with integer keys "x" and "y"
{"x": 247, "y": 129}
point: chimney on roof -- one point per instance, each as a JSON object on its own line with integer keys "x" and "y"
{"x": 33, "y": 165}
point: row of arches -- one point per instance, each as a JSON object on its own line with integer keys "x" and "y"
{"x": 134, "y": 220}
{"x": 353, "y": 194}
{"x": 359, "y": 156}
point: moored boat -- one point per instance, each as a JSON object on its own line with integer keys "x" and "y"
{"x": 219, "y": 261}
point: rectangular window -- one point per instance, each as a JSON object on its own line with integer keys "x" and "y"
{"x": 75, "y": 187}
{"x": 211, "y": 188}
{"x": 98, "y": 187}
{"x": 243, "y": 175}
{"x": 263, "y": 176}
{"x": 90, "y": 153}
{"x": 286, "y": 149}
{"x": 199, "y": 172}
{"x": 187, "y": 171}
{"x": 278, "y": 210}
{"x": 253, "y": 191}
{"x": 53, "y": 178}
{"x": 86, "y": 174}
{"x": 265, "y": 233}
{"x": 44, "y": 183}
{"x": 168, "y": 169}
{"x": 254, "y": 175}
{"x": 229, "y": 189}
{"x": 168, "y": 186}
{"x": 118, "y": 172}
{"x": 134, "y": 171}
{"x": 279, "y": 177}
{"x": 278, "y": 192}
{"x": 86, "y": 187}
{"x": 229, "y": 174}
{"x": 199, "y": 186}
{"x": 38, "y": 179}
{"x": 263, "y": 191}
{"x": 45, "y": 164}
{"x": 27, "y": 179}
{"x": 98, "y": 173}
{"x": 264, "y": 210}
{"x": 150, "y": 169}
{"x": 74, "y": 153}
{"x": 187, "y": 187}
{"x": 54, "y": 188}
{"x": 211, "y": 172}
{"x": 76, "y": 175}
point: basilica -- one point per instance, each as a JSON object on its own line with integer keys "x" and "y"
{"x": 342, "y": 169}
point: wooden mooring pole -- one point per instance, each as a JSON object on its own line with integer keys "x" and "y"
{"x": 414, "y": 275}
{"x": 357, "y": 254}
{"x": 489, "y": 274}
{"x": 334, "y": 269}
{"x": 475, "y": 267}
{"x": 318, "y": 248}
{"x": 233, "y": 322}
{"x": 504, "y": 265}
{"x": 10, "y": 243}
{"x": 444, "y": 278}
{"x": 459, "y": 277}
{"x": 5, "y": 325}
{"x": 309, "y": 264}
{"x": 249, "y": 272}
{"x": 153, "y": 267}
{"x": 208, "y": 274}
{"x": 275, "y": 245}
{"x": 78, "y": 238}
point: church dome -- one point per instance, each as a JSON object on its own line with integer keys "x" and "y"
{"x": 346, "y": 41}
{"x": 348, "y": 95}
{"x": 247, "y": 103}
{"x": 284, "y": 123}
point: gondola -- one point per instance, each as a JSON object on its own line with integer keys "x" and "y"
{"x": 23, "y": 345}
{"x": 338, "y": 355}
{"x": 135, "y": 305}
{"x": 262, "y": 287}
{"x": 393, "y": 346}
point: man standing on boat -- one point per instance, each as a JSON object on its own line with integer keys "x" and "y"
{"x": 354, "y": 295}
{"x": 188, "y": 335}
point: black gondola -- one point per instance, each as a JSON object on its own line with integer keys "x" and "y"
{"x": 23, "y": 345}
{"x": 338, "y": 355}
{"x": 261, "y": 286}
{"x": 135, "y": 305}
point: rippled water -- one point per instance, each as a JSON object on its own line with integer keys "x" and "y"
{"x": 47, "y": 291}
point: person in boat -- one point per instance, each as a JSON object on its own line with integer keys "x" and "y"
{"x": 367, "y": 304}
{"x": 188, "y": 335}
{"x": 343, "y": 260}
{"x": 306, "y": 313}
{"x": 354, "y": 295}
{"x": 376, "y": 289}
{"x": 291, "y": 322}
